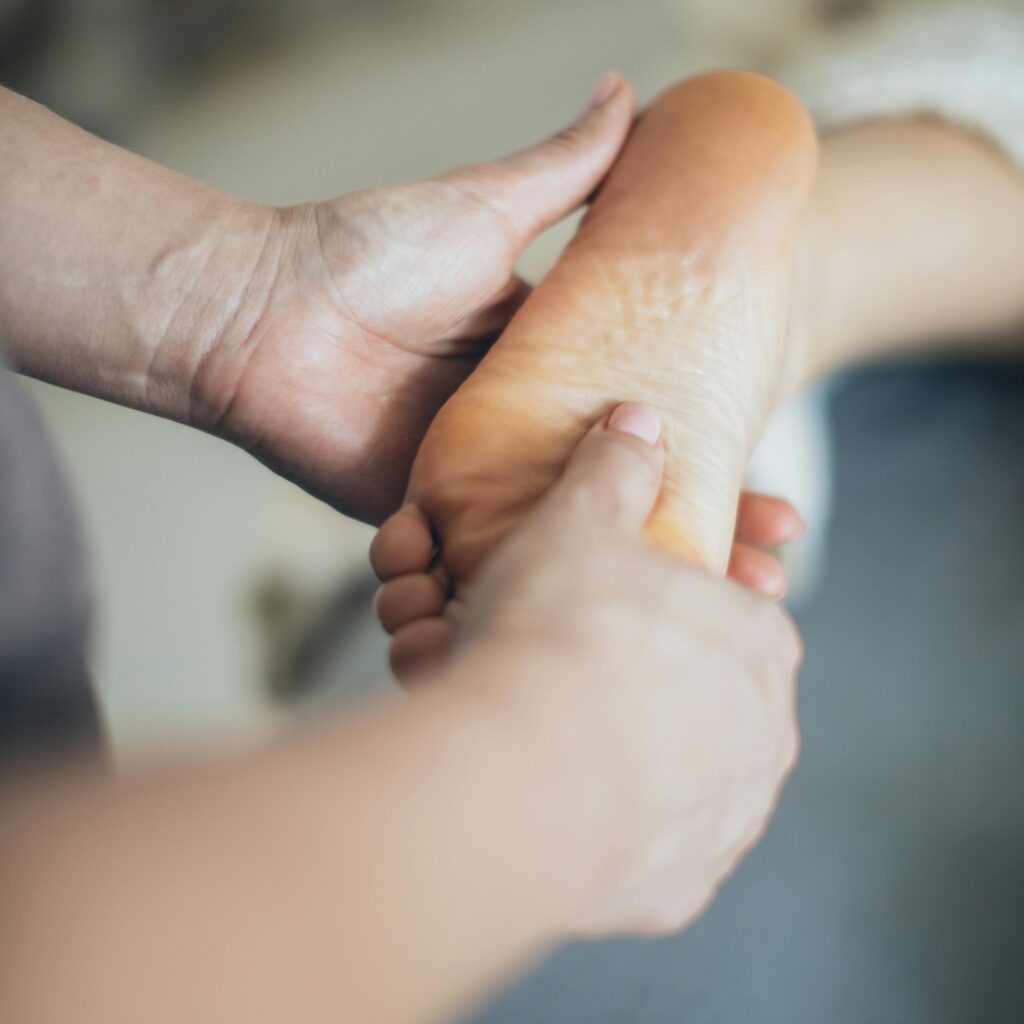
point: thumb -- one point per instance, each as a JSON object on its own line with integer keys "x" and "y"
{"x": 614, "y": 475}
{"x": 538, "y": 186}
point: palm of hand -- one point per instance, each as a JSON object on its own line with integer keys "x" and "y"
{"x": 383, "y": 302}
{"x": 377, "y": 305}
{"x": 374, "y": 307}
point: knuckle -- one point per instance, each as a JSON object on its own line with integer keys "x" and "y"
{"x": 607, "y": 503}
{"x": 691, "y": 586}
{"x": 779, "y": 759}
{"x": 791, "y": 642}
{"x": 680, "y": 906}
{"x": 790, "y": 748}
{"x": 612, "y": 475}
{"x": 768, "y": 616}
{"x": 754, "y": 835}
{"x": 569, "y": 137}
{"x": 475, "y": 189}
{"x": 577, "y": 501}
{"x": 620, "y": 453}
{"x": 774, "y": 631}
{"x": 659, "y": 922}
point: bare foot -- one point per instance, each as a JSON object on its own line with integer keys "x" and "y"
{"x": 413, "y": 606}
{"x": 674, "y": 293}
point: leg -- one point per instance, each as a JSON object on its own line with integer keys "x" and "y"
{"x": 915, "y": 234}
{"x": 914, "y": 231}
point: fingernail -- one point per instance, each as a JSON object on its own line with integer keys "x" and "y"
{"x": 637, "y": 420}
{"x": 606, "y": 89}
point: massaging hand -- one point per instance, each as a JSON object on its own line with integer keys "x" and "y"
{"x": 670, "y": 691}
{"x": 322, "y": 338}
{"x": 383, "y": 301}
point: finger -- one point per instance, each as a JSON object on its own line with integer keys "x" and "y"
{"x": 613, "y": 476}
{"x": 406, "y": 598}
{"x": 766, "y": 521}
{"x": 418, "y": 646}
{"x": 403, "y": 544}
{"x": 758, "y": 570}
{"x": 538, "y": 186}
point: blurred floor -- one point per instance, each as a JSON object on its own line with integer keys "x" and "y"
{"x": 888, "y": 887}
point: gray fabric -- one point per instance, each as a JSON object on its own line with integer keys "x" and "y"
{"x": 45, "y": 701}
{"x": 888, "y": 888}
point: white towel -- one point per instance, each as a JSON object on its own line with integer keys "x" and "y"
{"x": 961, "y": 62}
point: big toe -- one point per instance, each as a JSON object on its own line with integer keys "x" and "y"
{"x": 404, "y": 544}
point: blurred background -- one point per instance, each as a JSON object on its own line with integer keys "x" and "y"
{"x": 888, "y": 887}
{"x": 224, "y": 590}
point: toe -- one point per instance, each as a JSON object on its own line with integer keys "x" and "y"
{"x": 404, "y": 544}
{"x": 765, "y": 521}
{"x": 418, "y": 646}
{"x": 758, "y": 570}
{"x": 406, "y": 598}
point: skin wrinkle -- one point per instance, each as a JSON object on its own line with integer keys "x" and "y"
{"x": 704, "y": 297}
{"x": 164, "y": 335}
{"x": 509, "y": 229}
{"x": 342, "y": 297}
{"x": 706, "y": 385}
{"x": 337, "y": 294}
{"x": 379, "y": 265}
{"x": 218, "y": 399}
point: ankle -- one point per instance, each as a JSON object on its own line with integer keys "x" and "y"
{"x": 527, "y": 695}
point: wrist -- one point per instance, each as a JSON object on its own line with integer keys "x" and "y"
{"x": 212, "y": 290}
{"x": 540, "y": 700}
{"x": 117, "y": 276}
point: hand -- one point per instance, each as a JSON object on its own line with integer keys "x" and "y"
{"x": 377, "y": 305}
{"x": 669, "y": 692}
{"x": 412, "y": 604}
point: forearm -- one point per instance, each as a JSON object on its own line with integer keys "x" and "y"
{"x": 386, "y": 870}
{"x": 116, "y": 274}
{"x": 915, "y": 237}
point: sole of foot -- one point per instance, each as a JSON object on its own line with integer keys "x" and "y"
{"x": 675, "y": 292}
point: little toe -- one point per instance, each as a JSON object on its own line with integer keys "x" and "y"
{"x": 758, "y": 570}
{"x": 418, "y": 646}
{"x": 766, "y": 521}
{"x": 404, "y": 544}
{"x": 406, "y": 598}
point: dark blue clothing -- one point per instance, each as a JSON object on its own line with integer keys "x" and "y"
{"x": 46, "y": 703}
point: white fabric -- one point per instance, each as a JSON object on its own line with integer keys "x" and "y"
{"x": 961, "y": 62}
